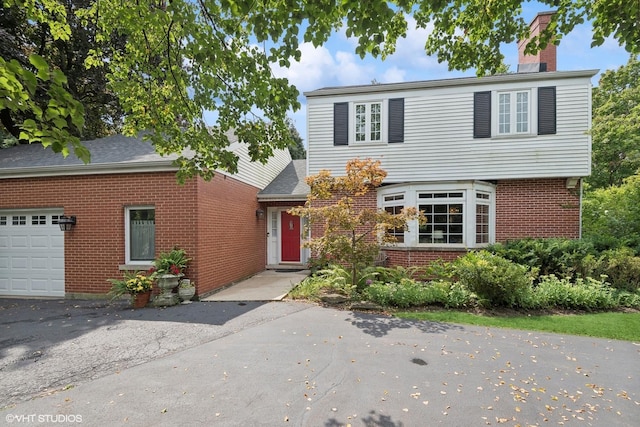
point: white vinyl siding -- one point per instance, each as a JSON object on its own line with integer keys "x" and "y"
{"x": 255, "y": 173}
{"x": 438, "y": 136}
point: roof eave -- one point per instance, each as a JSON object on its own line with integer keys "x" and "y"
{"x": 282, "y": 197}
{"x": 89, "y": 169}
{"x": 460, "y": 81}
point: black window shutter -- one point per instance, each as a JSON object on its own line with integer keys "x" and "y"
{"x": 482, "y": 114}
{"x": 341, "y": 123}
{"x": 396, "y": 120}
{"x": 547, "y": 110}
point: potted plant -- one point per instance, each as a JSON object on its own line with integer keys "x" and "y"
{"x": 186, "y": 290}
{"x": 137, "y": 284}
{"x": 169, "y": 268}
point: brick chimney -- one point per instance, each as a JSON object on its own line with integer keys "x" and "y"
{"x": 545, "y": 60}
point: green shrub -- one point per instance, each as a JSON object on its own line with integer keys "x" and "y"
{"x": 584, "y": 294}
{"x": 566, "y": 258}
{"x": 335, "y": 279}
{"x": 411, "y": 293}
{"x": 627, "y": 299}
{"x": 621, "y": 267}
{"x": 495, "y": 280}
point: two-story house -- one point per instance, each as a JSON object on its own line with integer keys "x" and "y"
{"x": 486, "y": 159}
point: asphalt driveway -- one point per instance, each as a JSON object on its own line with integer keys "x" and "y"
{"x": 286, "y": 363}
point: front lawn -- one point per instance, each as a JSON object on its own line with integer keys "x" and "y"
{"x": 613, "y": 325}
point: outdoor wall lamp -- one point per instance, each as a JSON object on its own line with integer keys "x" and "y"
{"x": 66, "y": 223}
{"x": 259, "y": 213}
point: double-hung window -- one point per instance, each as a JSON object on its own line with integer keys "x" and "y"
{"x": 140, "y": 229}
{"x": 514, "y": 112}
{"x": 368, "y": 122}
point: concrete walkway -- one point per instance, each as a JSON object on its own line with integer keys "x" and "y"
{"x": 269, "y": 285}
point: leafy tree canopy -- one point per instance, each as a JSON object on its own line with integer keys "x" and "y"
{"x": 184, "y": 57}
{"x": 616, "y": 126}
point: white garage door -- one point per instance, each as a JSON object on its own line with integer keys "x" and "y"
{"x": 31, "y": 253}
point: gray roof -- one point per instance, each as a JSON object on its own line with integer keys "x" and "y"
{"x": 456, "y": 81}
{"x": 289, "y": 184}
{"x": 112, "y": 150}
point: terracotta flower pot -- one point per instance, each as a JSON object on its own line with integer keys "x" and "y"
{"x": 141, "y": 300}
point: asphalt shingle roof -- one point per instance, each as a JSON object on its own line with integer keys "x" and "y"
{"x": 109, "y": 150}
{"x": 289, "y": 183}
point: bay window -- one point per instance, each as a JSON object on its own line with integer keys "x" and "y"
{"x": 460, "y": 215}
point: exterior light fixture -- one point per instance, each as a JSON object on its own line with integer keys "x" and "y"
{"x": 259, "y": 213}
{"x": 66, "y": 223}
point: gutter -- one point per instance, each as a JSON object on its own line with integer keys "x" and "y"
{"x": 89, "y": 169}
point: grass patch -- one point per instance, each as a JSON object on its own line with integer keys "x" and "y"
{"x": 613, "y": 325}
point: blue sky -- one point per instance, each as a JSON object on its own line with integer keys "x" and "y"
{"x": 336, "y": 64}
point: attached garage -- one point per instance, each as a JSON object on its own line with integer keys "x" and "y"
{"x": 31, "y": 253}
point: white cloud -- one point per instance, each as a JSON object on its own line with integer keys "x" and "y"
{"x": 393, "y": 75}
{"x": 311, "y": 71}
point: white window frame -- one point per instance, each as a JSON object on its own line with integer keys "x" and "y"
{"x": 449, "y": 199}
{"x": 127, "y": 236}
{"x": 394, "y": 201}
{"x": 513, "y": 113}
{"x": 383, "y": 121}
{"x": 469, "y": 201}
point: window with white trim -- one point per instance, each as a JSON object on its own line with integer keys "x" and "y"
{"x": 514, "y": 112}
{"x": 483, "y": 205}
{"x": 457, "y": 214}
{"x": 394, "y": 204}
{"x": 444, "y": 214}
{"x": 140, "y": 234}
{"x": 368, "y": 122}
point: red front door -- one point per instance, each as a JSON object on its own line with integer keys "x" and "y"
{"x": 290, "y": 244}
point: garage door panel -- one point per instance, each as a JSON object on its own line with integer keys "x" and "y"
{"x": 19, "y": 263}
{"x": 57, "y": 264}
{"x": 57, "y": 242}
{"x": 19, "y": 242}
{"x": 40, "y": 263}
{"x": 31, "y": 254}
{"x": 39, "y": 284}
{"x": 19, "y": 284}
{"x": 40, "y": 242}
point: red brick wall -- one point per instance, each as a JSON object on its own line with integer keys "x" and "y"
{"x": 231, "y": 239}
{"x": 537, "y": 208}
{"x": 524, "y": 208}
{"x": 221, "y": 233}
